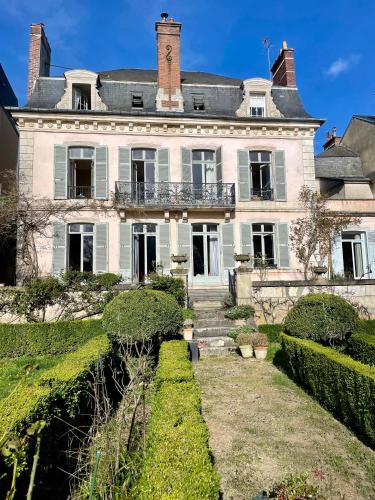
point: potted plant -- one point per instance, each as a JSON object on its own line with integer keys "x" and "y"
{"x": 240, "y": 314}
{"x": 187, "y": 329}
{"x": 260, "y": 345}
{"x": 244, "y": 343}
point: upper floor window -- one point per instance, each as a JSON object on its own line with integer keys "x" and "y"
{"x": 260, "y": 175}
{"x": 257, "y": 105}
{"x": 81, "y": 96}
{"x": 264, "y": 245}
{"x": 137, "y": 100}
{"x": 198, "y": 102}
{"x": 204, "y": 167}
{"x": 81, "y": 162}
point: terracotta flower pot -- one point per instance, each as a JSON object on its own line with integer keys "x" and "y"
{"x": 246, "y": 351}
{"x": 260, "y": 352}
{"x": 187, "y": 332}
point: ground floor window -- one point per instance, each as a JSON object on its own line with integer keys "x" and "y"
{"x": 80, "y": 247}
{"x": 264, "y": 245}
{"x": 353, "y": 251}
{"x": 206, "y": 253}
{"x": 144, "y": 250}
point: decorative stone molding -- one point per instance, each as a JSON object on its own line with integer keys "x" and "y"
{"x": 81, "y": 76}
{"x": 258, "y": 86}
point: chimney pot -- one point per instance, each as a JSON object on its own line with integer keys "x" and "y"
{"x": 331, "y": 139}
{"x": 285, "y": 46}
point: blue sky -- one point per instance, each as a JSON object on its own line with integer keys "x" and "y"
{"x": 333, "y": 42}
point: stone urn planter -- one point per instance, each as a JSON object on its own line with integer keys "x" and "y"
{"x": 261, "y": 352}
{"x": 246, "y": 351}
{"x": 243, "y": 258}
{"x": 179, "y": 259}
{"x": 188, "y": 329}
{"x": 244, "y": 342}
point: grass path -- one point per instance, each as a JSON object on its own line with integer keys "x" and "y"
{"x": 263, "y": 427}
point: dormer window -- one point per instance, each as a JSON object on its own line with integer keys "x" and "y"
{"x": 137, "y": 100}
{"x": 257, "y": 105}
{"x": 198, "y": 102}
{"x": 81, "y": 97}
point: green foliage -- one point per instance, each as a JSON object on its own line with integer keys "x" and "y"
{"x": 342, "y": 385}
{"x": 296, "y": 488}
{"x": 177, "y": 462}
{"x": 259, "y": 340}
{"x": 321, "y": 317}
{"x": 244, "y": 339}
{"x": 235, "y": 332}
{"x": 174, "y": 364}
{"x": 366, "y": 326}
{"x": 189, "y": 314}
{"x": 168, "y": 284}
{"x": 240, "y": 312}
{"x": 361, "y": 346}
{"x": 42, "y": 339}
{"x": 141, "y": 315}
{"x": 272, "y": 331}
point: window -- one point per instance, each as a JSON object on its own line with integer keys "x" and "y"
{"x": 260, "y": 174}
{"x": 206, "y": 251}
{"x": 353, "y": 251}
{"x": 144, "y": 174}
{"x": 80, "y": 250}
{"x": 137, "y": 100}
{"x": 82, "y": 97}
{"x": 144, "y": 250}
{"x": 81, "y": 163}
{"x": 204, "y": 174}
{"x": 198, "y": 102}
{"x": 257, "y": 105}
{"x": 263, "y": 245}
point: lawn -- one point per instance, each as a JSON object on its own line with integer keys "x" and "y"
{"x": 25, "y": 369}
{"x": 263, "y": 427}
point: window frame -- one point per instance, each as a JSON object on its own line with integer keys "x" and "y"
{"x": 262, "y": 233}
{"x": 137, "y": 95}
{"x": 79, "y": 87}
{"x": 82, "y": 232}
{"x": 257, "y": 95}
{"x": 198, "y": 100}
{"x": 269, "y": 192}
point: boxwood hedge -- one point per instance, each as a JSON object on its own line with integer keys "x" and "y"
{"x": 272, "y": 331}
{"x": 361, "y": 346}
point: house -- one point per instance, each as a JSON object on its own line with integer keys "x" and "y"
{"x": 183, "y": 163}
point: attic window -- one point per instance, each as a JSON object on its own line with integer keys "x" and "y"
{"x": 198, "y": 103}
{"x": 137, "y": 100}
{"x": 82, "y": 97}
{"x": 257, "y": 105}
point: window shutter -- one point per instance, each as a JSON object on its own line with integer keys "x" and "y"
{"x": 219, "y": 165}
{"x": 243, "y": 175}
{"x": 163, "y": 165}
{"x": 246, "y": 239}
{"x": 280, "y": 182}
{"x": 124, "y": 164}
{"x": 61, "y": 172}
{"x": 371, "y": 253}
{"x": 164, "y": 247}
{"x": 125, "y": 256}
{"x": 184, "y": 241}
{"x": 228, "y": 245}
{"x": 101, "y": 248}
{"x": 283, "y": 244}
{"x": 101, "y": 173}
{"x": 337, "y": 257}
{"x": 186, "y": 167}
{"x": 59, "y": 249}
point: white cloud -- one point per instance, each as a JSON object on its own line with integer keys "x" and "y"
{"x": 341, "y": 65}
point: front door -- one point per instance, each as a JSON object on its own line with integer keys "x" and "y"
{"x": 205, "y": 252}
{"x": 144, "y": 251}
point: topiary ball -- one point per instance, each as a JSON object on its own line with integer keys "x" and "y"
{"x": 322, "y": 317}
{"x": 141, "y": 315}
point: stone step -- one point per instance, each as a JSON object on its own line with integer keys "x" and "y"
{"x": 219, "y": 341}
{"x": 204, "y": 352}
{"x": 217, "y": 331}
{"x": 212, "y": 322}
{"x": 213, "y": 314}
{"x": 207, "y": 305}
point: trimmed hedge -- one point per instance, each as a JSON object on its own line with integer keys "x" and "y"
{"x": 272, "y": 331}
{"x": 43, "y": 339}
{"x": 177, "y": 461}
{"x": 361, "y": 346}
{"x": 366, "y": 326}
{"x": 342, "y": 385}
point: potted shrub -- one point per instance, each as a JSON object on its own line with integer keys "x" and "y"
{"x": 244, "y": 343}
{"x": 187, "y": 329}
{"x": 240, "y": 314}
{"x": 260, "y": 345}
{"x": 235, "y": 332}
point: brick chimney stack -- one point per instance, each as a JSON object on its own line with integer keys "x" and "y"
{"x": 332, "y": 140}
{"x": 283, "y": 72}
{"x": 39, "y": 56}
{"x": 169, "y": 96}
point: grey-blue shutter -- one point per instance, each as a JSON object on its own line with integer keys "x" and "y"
{"x": 59, "y": 249}
{"x": 186, "y": 165}
{"x": 101, "y": 173}
{"x": 184, "y": 241}
{"x": 124, "y": 164}
{"x": 60, "y": 172}
{"x": 243, "y": 175}
{"x": 283, "y": 244}
{"x": 246, "y": 239}
{"x": 163, "y": 165}
{"x": 371, "y": 253}
{"x": 164, "y": 247}
{"x": 125, "y": 255}
{"x": 101, "y": 248}
{"x": 337, "y": 257}
{"x": 280, "y": 180}
{"x": 227, "y": 236}
{"x": 219, "y": 165}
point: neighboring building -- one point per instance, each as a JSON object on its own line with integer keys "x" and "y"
{"x": 8, "y": 165}
{"x": 197, "y": 163}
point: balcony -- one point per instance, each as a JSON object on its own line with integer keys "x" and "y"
{"x": 262, "y": 194}
{"x": 175, "y": 194}
{"x": 80, "y": 192}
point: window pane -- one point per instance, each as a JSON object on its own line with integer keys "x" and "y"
{"x": 88, "y": 228}
{"x": 74, "y": 153}
{"x": 268, "y": 228}
{"x": 197, "y": 228}
{"x": 257, "y": 244}
{"x": 197, "y": 155}
{"x": 265, "y": 156}
{"x": 254, "y": 155}
{"x": 87, "y": 253}
{"x": 74, "y": 252}
{"x": 88, "y": 152}
{"x": 198, "y": 255}
{"x": 137, "y": 154}
{"x": 137, "y": 228}
{"x": 268, "y": 248}
{"x": 151, "y": 228}
{"x": 212, "y": 228}
{"x": 150, "y": 154}
{"x": 257, "y": 228}
{"x": 151, "y": 255}
{"x": 208, "y": 155}
{"x": 74, "y": 228}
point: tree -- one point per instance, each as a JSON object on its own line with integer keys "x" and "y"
{"x": 311, "y": 236}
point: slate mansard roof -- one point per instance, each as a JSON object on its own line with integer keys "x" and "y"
{"x": 222, "y": 95}
{"x": 339, "y": 162}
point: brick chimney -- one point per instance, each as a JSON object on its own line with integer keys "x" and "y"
{"x": 283, "y": 72}
{"x": 331, "y": 140}
{"x": 39, "y": 56}
{"x": 169, "y": 96}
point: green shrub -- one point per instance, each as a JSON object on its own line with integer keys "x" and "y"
{"x": 244, "y": 339}
{"x": 240, "y": 312}
{"x": 189, "y": 314}
{"x": 246, "y": 330}
{"x": 342, "y": 385}
{"x": 361, "y": 346}
{"x": 321, "y": 317}
{"x": 174, "y": 364}
{"x": 141, "y": 315}
{"x": 259, "y": 340}
{"x": 168, "y": 284}
{"x": 42, "y": 339}
{"x": 366, "y": 326}
{"x": 272, "y": 331}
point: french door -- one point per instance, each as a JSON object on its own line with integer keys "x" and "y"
{"x": 206, "y": 252}
{"x": 144, "y": 251}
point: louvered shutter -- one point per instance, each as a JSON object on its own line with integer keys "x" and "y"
{"x": 243, "y": 174}
{"x": 124, "y": 170}
{"x": 125, "y": 255}
{"x": 246, "y": 239}
{"x": 101, "y": 173}
{"x": 184, "y": 241}
{"x": 283, "y": 244}
{"x": 279, "y": 177}
{"x": 101, "y": 248}
{"x": 163, "y": 165}
{"x": 59, "y": 249}
{"x": 61, "y": 172}
{"x": 227, "y": 236}
{"x": 371, "y": 253}
{"x": 186, "y": 162}
{"x": 337, "y": 257}
{"x": 219, "y": 165}
{"x": 164, "y": 247}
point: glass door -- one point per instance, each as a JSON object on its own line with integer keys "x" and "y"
{"x": 206, "y": 252}
{"x": 354, "y": 255}
{"x": 144, "y": 251}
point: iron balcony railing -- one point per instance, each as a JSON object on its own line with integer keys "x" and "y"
{"x": 80, "y": 192}
{"x": 262, "y": 194}
{"x": 175, "y": 194}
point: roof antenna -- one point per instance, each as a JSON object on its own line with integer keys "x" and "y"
{"x": 164, "y": 16}
{"x": 267, "y": 45}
